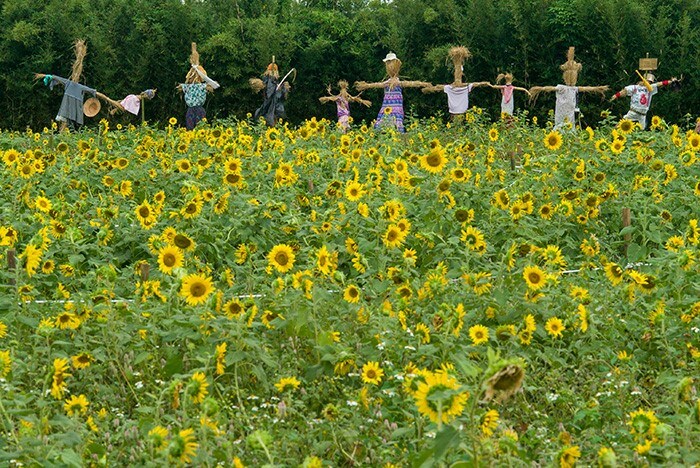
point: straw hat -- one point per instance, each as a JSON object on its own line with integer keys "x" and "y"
{"x": 390, "y": 56}
{"x": 91, "y": 107}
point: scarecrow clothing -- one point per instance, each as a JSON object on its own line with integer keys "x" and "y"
{"x": 640, "y": 100}
{"x": 195, "y": 97}
{"x": 71, "y": 109}
{"x": 565, "y": 108}
{"x": 343, "y": 112}
{"x": 272, "y": 107}
{"x": 457, "y": 98}
{"x": 507, "y": 99}
{"x": 193, "y": 116}
{"x": 391, "y": 112}
{"x": 131, "y": 103}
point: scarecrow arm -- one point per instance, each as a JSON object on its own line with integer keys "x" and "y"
{"x": 667, "y": 82}
{"x": 115, "y": 106}
{"x": 594, "y": 89}
{"x": 620, "y": 94}
{"x": 414, "y": 84}
{"x": 326, "y": 99}
{"x": 536, "y": 90}
{"x": 480, "y": 83}
{"x": 362, "y": 85}
{"x": 433, "y": 89}
{"x": 516, "y": 88}
{"x": 357, "y": 98}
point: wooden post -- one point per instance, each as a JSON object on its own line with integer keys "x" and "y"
{"x": 626, "y": 222}
{"x": 145, "y": 271}
{"x": 11, "y": 263}
{"x": 143, "y": 110}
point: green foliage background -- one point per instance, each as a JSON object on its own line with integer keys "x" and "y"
{"x": 138, "y": 44}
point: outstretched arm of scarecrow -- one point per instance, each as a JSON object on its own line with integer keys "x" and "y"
{"x": 433, "y": 88}
{"x": 536, "y": 90}
{"x": 329, "y": 98}
{"x": 50, "y": 80}
{"x": 594, "y": 89}
{"x": 358, "y": 99}
{"x": 517, "y": 88}
{"x": 668, "y": 82}
{"x": 480, "y": 83}
{"x": 620, "y": 94}
{"x": 362, "y": 85}
{"x": 414, "y": 84}
{"x": 115, "y": 106}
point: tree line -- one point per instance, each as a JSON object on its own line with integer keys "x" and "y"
{"x": 137, "y": 44}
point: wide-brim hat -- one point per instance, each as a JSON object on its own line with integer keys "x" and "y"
{"x": 390, "y": 56}
{"x": 649, "y": 77}
{"x": 91, "y": 107}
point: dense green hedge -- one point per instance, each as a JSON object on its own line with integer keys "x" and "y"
{"x": 137, "y": 44}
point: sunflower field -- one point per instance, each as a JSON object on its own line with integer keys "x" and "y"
{"x": 478, "y": 294}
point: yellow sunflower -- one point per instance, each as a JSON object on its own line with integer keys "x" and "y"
{"x": 287, "y": 383}
{"x": 197, "y": 388}
{"x": 442, "y": 409}
{"x": 626, "y": 126}
{"x": 76, "y": 405}
{"x": 534, "y": 277}
{"x": 183, "y": 446}
{"x": 479, "y": 334}
{"x": 434, "y": 161}
{"x": 393, "y": 237}
{"x": 169, "y": 258}
{"x": 281, "y": 257}
{"x": 372, "y": 373}
{"x": 196, "y": 288}
{"x": 474, "y": 239}
{"x": 354, "y": 191}
{"x": 42, "y": 204}
{"x": 555, "y": 327}
{"x": 146, "y": 215}
{"x": 351, "y": 294}
{"x": 553, "y": 140}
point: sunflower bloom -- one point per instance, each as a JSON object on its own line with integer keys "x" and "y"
{"x": 442, "y": 410}
{"x": 372, "y": 373}
{"x": 287, "y": 383}
{"x": 555, "y": 327}
{"x": 169, "y": 258}
{"x": 281, "y": 257}
{"x": 76, "y": 405}
{"x": 196, "y": 288}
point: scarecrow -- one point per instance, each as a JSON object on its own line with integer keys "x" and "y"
{"x": 73, "y": 105}
{"x": 567, "y": 93}
{"x": 458, "y": 91}
{"x": 507, "y": 89}
{"x": 195, "y": 89}
{"x": 641, "y": 93}
{"x": 274, "y": 93}
{"x": 391, "y": 113}
{"x": 342, "y": 101}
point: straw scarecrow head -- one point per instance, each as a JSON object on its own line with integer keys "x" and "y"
{"x": 192, "y": 76}
{"x": 392, "y": 64}
{"x": 458, "y": 56}
{"x": 570, "y": 68}
{"x": 507, "y": 77}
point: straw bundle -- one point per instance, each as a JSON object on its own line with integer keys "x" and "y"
{"x": 194, "y": 55}
{"x": 508, "y": 77}
{"x": 459, "y": 54}
{"x": 256, "y": 84}
{"x": 80, "y": 53}
{"x": 393, "y": 67}
{"x": 571, "y": 68}
{"x": 115, "y": 106}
